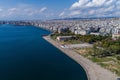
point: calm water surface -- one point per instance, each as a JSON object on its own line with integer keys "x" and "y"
{"x": 24, "y": 55}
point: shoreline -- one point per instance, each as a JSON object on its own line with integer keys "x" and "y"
{"x": 93, "y": 71}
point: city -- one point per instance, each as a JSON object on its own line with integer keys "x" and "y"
{"x": 108, "y": 26}
{"x": 59, "y": 40}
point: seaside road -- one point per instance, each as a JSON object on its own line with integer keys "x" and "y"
{"x": 93, "y": 71}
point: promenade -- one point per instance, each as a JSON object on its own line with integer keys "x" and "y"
{"x": 93, "y": 71}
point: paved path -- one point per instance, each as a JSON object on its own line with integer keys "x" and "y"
{"x": 83, "y": 45}
{"x": 94, "y": 71}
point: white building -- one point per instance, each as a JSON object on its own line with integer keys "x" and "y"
{"x": 116, "y": 33}
{"x": 81, "y": 32}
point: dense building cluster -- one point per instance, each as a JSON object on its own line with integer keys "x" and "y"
{"x": 95, "y": 27}
{"x": 108, "y": 26}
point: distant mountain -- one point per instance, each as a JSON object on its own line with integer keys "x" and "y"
{"x": 76, "y": 18}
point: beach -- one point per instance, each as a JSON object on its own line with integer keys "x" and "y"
{"x": 93, "y": 71}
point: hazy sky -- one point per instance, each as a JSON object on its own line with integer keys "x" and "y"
{"x": 50, "y": 9}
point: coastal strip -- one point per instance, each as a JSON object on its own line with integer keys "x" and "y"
{"x": 93, "y": 71}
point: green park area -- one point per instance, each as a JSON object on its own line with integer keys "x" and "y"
{"x": 105, "y": 50}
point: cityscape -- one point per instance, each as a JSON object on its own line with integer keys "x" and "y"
{"x": 105, "y": 26}
{"x": 60, "y": 40}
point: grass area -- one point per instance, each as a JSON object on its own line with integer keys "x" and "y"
{"x": 110, "y": 62}
{"x": 94, "y": 59}
{"x": 53, "y": 36}
{"x": 104, "y": 51}
{"x": 71, "y": 42}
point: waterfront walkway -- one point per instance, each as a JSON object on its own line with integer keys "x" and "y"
{"x": 93, "y": 71}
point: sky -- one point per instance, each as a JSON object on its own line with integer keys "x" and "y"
{"x": 54, "y": 9}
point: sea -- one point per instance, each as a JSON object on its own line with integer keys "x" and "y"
{"x": 25, "y": 55}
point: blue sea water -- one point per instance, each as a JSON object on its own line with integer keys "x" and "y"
{"x": 25, "y": 55}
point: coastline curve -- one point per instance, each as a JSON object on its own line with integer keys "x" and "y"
{"x": 93, "y": 71}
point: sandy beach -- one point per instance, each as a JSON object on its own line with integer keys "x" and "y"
{"x": 93, "y": 71}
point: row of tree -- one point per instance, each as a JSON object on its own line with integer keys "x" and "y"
{"x": 90, "y": 38}
{"x": 107, "y": 47}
